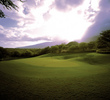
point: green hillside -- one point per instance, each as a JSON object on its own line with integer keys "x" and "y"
{"x": 79, "y": 76}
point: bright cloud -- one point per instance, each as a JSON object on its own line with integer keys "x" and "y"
{"x": 65, "y": 19}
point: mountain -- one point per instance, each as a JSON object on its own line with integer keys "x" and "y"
{"x": 43, "y": 45}
{"x": 46, "y": 44}
{"x": 89, "y": 39}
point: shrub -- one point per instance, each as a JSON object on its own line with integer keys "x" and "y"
{"x": 103, "y": 51}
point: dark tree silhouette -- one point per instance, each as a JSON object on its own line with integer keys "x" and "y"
{"x": 3, "y": 53}
{"x": 104, "y": 40}
{"x": 8, "y": 4}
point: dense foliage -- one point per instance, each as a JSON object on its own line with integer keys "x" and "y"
{"x": 103, "y": 42}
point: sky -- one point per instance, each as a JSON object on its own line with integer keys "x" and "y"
{"x": 38, "y": 21}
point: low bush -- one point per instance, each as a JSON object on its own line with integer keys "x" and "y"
{"x": 103, "y": 51}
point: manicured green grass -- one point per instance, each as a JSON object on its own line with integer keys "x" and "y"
{"x": 80, "y": 76}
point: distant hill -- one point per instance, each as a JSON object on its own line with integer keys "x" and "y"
{"x": 43, "y": 45}
{"x": 46, "y": 44}
{"x": 94, "y": 38}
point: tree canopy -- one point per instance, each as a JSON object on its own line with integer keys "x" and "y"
{"x": 8, "y": 4}
{"x": 104, "y": 39}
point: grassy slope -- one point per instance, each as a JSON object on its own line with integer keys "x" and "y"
{"x": 65, "y": 76}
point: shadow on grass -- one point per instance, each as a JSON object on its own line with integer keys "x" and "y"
{"x": 95, "y": 59}
{"x": 91, "y": 58}
{"x": 64, "y": 55}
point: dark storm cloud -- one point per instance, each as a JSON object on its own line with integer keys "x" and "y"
{"x": 65, "y": 4}
{"x": 101, "y": 21}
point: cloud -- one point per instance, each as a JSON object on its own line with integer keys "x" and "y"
{"x": 46, "y": 15}
{"x": 7, "y": 22}
{"x": 49, "y": 20}
{"x": 27, "y": 38}
{"x": 2, "y": 37}
{"x": 26, "y": 24}
{"x": 10, "y": 40}
{"x": 41, "y": 19}
{"x": 101, "y": 20}
{"x": 9, "y": 36}
{"x": 1, "y": 28}
{"x": 105, "y": 5}
{"x": 26, "y": 11}
{"x": 65, "y": 5}
{"x": 39, "y": 3}
{"x": 16, "y": 44}
{"x": 92, "y": 10}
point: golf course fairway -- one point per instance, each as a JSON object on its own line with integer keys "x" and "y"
{"x": 80, "y": 76}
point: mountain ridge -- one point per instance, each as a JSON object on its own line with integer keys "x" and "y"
{"x": 43, "y": 45}
{"x": 46, "y": 44}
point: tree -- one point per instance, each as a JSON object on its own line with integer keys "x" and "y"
{"x": 92, "y": 45}
{"x": 83, "y": 46}
{"x": 104, "y": 40}
{"x": 45, "y": 50}
{"x": 54, "y": 49}
{"x": 61, "y": 47}
{"x": 3, "y": 53}
{"x": 72, "y": 43}
{"x": 71, "y": 49}
{"x": 16, "y": 53}
{"x": 8, "y": 4}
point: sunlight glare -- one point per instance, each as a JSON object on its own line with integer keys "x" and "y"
{"x": 67, "y": 26}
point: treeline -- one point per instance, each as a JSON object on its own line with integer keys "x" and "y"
{"x": 13, "y": 53}
{"x": 71, "y": 47}
{"x": 102, "y": 45}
